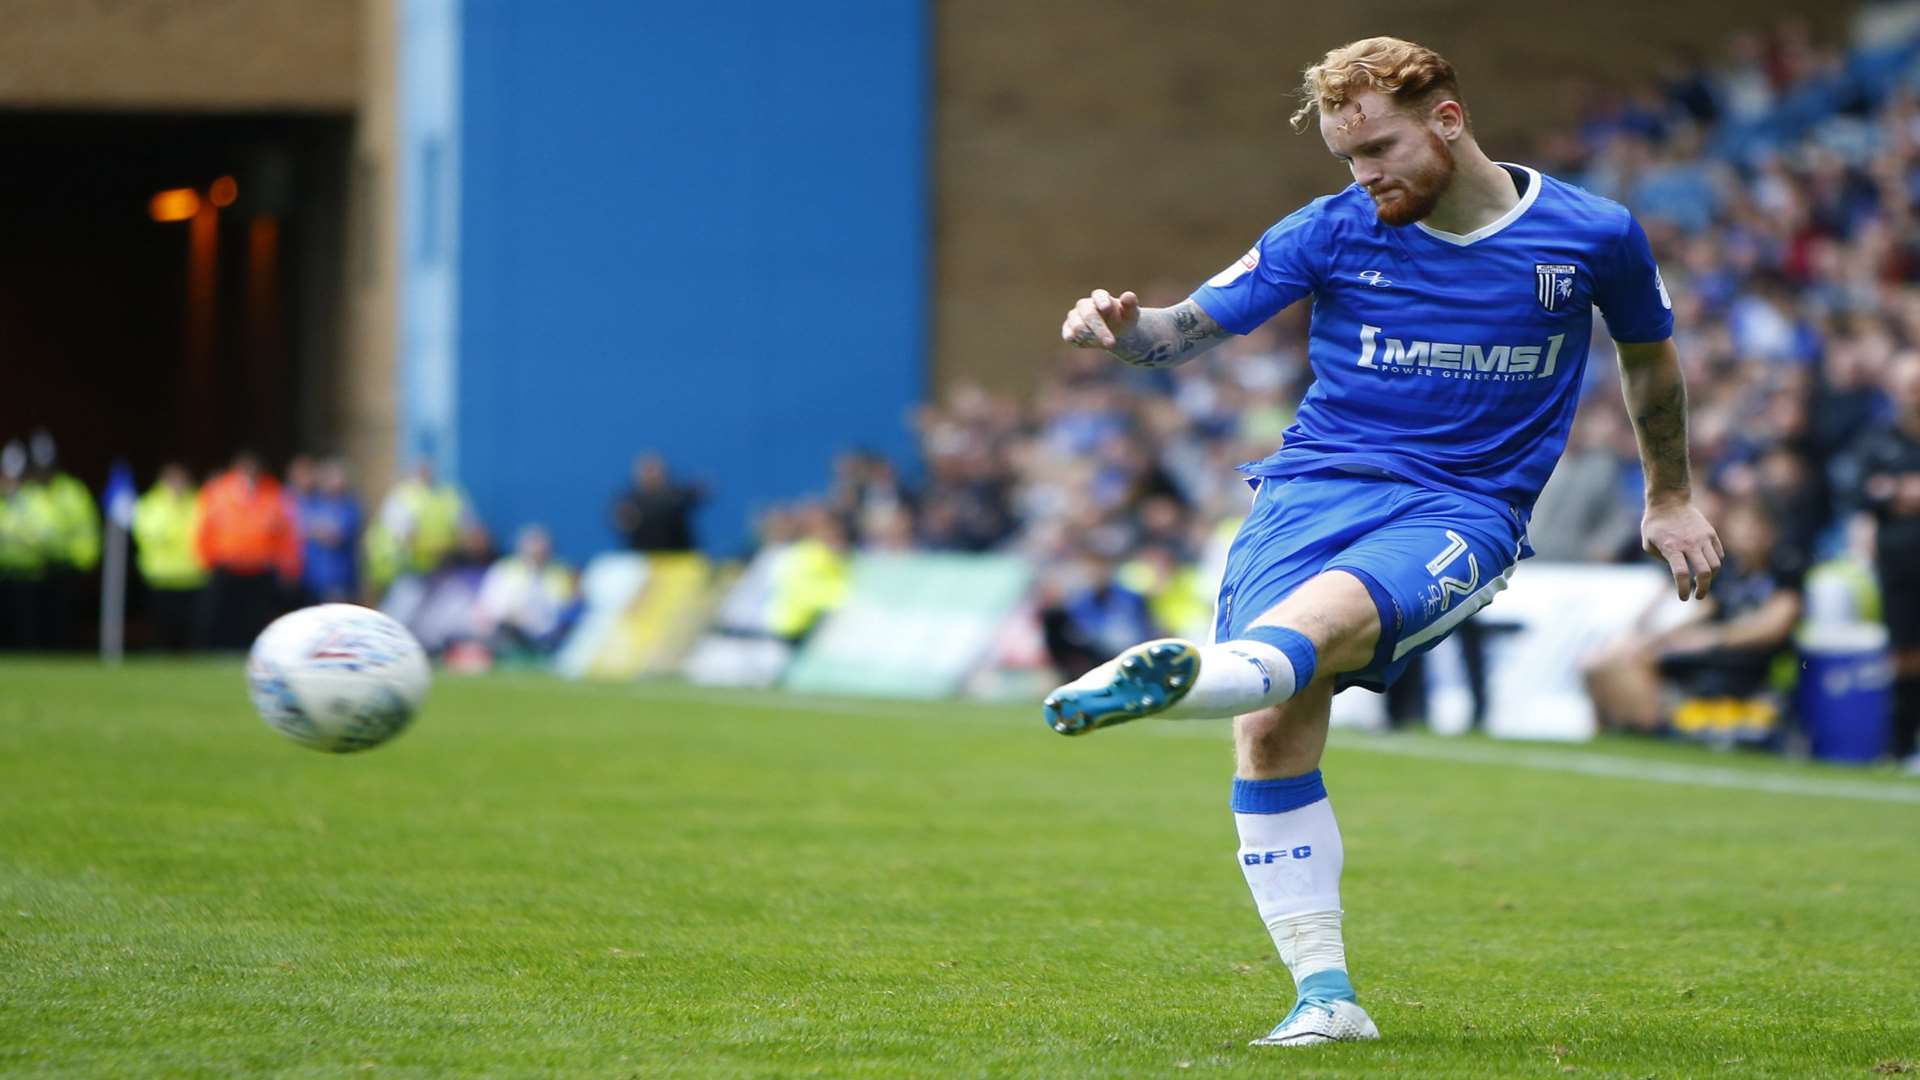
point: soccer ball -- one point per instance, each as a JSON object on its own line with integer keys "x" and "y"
{"x": 337, "y": 677}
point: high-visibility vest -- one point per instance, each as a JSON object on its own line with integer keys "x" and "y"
{"x": 811, "y": 579}
{"x": 1179, "y": 604}
{"x": 76, "y": 535}
{"x": 27, "y": 522}
{"x": 417, "y": 528}
{"x": 165, "y": 523}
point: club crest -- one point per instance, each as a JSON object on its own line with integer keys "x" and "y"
{"x": 1553, "y": 284}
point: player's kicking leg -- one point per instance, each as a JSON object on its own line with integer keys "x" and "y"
{"x": 1144, "y": 680}
{"x": 1179, "y": 680}
{"x": 1266, "y": 665}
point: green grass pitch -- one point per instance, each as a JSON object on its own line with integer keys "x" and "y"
{"x": 558, "y": 880}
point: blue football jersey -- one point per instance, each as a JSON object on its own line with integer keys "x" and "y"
{"x": 1454, "y": 361}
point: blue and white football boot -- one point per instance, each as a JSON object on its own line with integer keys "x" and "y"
{"x": 1326, "y": 1012}
{"x": 1142, "y": 681}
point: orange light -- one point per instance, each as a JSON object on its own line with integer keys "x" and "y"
{"x": 174, "y": 204}
{"x": 223, "y": 192}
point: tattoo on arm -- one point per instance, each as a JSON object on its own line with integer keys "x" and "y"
{"x": 1663, "y": 438}
{"x": 1165, "y": 337}
{"x": 1657, "y": 399}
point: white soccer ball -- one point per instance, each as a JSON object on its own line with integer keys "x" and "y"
{"x": 337, "y": 677}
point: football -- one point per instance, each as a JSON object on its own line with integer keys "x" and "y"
{"x": 337, "y": 677}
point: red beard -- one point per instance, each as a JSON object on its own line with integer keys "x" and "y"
{"x": 1407, "y": 201}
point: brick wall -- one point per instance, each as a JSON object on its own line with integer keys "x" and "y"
{"x": 185, "y": 54}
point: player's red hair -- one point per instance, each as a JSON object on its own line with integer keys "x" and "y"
{"x": 1408, "y": 74}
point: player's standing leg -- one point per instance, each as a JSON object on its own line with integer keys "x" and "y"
{"x": 1292, "y": 856}
{"x": 1290, "y": 848}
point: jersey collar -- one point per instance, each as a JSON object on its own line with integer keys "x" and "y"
{"x": 1499, "y": 223}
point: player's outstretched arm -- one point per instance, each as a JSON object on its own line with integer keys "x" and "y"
{"x": 1143, "y": 337}
{"x": 1673, "y": 529}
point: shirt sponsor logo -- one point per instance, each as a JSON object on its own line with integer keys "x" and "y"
{"x": 1462, "y": 360}
{"x": 1375, "y": 278}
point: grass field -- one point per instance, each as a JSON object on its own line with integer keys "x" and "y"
{"x": 548, "y": 879}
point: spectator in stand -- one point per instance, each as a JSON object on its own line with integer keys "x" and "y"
{"x": 166, "y": 528}
{"x": 1090, "y": 615}
{"x": 1849, "y": 398}
{"x": 966, "y": 501}
{"x": 300, "y": 478}
{"x": 417, "y": 528}
{"x": 439, "y": 607}
{"x": 26, "y": 521}
{"x": 656, "y": 514}
{"x": 1889, "y": 457}
{"x": 526, "y": 599}
{"x": 1179, "y": 602}
{"x": 867, "y": 491}
{"x": 251, "y": 545}
{"x": 886, "y": 527}
{"x": 329, "y": 517}
{"x": 1788, "y": 482}
{"x": 1161, "y": 521}
{"x": 1581, "y": 515}
{"x": 813, "y": 575}
{"x": 73, "y": 547}
{"x": 1723, "y": 651}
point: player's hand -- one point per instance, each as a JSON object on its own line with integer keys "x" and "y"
{"x": 1097, "y": 321}
{"x": 1679, "y": 535}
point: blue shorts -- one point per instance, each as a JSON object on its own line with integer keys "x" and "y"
{"x": 1429, "y": 558}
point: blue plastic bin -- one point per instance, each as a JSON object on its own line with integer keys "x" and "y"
{"x": 1845, "y": 696}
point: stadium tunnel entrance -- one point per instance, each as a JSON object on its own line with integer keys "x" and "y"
{"x": 172, "y": 284}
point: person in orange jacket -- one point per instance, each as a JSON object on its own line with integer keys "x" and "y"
{"x": 250, "y": 544}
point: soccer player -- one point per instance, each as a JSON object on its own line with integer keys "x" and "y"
{"x": 1452, "y": 309}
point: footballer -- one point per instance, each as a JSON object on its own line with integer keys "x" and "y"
{"x": 1453, "y": 301}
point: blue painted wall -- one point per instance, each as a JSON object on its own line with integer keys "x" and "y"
{"x": 696, "y": 228}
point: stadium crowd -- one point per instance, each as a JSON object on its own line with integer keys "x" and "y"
{"x": 1778, "y": 183}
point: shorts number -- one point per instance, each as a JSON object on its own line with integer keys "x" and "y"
{"x": 1451, "y": 587}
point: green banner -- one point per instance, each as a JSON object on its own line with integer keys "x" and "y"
{"x": 915, "y": 625}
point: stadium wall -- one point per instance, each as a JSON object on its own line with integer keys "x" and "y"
{"x": 1089, "y": 143}
{"x": 183, "y": 54}
{"x": 698, "y": 229}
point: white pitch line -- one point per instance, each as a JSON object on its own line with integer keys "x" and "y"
{"x": 1590, "y": 763}
{"x": 1583, "y": 763}
{"x": 1629, "y": 768}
